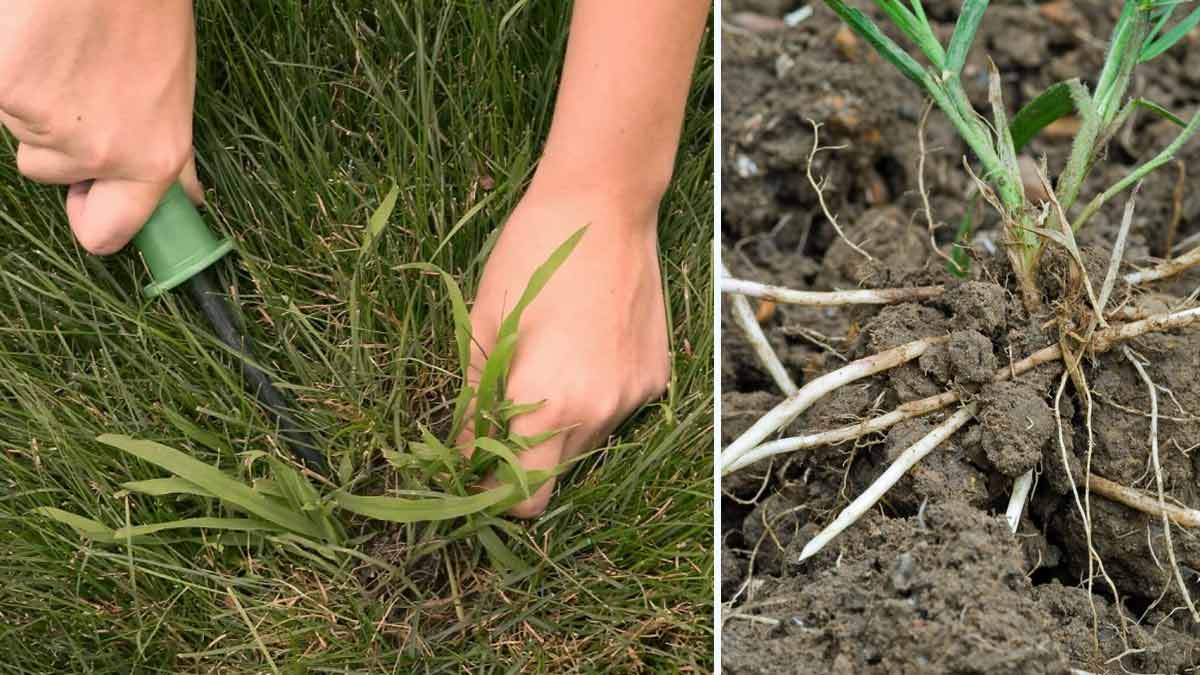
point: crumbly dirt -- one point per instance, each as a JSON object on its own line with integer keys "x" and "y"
{"x": 932, "y": 581}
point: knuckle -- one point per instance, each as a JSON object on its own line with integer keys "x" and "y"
{"x": 97, "y": 242}
{"x": 531, "y": 508}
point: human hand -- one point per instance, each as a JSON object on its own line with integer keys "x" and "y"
{"x": 99, "y": 96}
{"x": 593, "y": 344}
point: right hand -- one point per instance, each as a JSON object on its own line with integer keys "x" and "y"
{"x": 99, "y": 97}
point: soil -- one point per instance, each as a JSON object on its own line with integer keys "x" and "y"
{"x": 932, "y": 581}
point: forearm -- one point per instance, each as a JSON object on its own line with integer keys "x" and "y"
{"x": 620, "y": 106}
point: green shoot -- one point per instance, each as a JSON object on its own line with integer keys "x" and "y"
{"x": 1140, "y": 34}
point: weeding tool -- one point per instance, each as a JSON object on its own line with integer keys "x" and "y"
{"x": 179, "y": 249}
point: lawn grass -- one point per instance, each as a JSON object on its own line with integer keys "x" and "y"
{"x": 308, "y": 113}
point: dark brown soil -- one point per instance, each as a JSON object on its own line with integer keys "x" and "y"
{"x": 933, "y": 581}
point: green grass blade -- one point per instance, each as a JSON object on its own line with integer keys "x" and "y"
{"x": 1052, "y": 104}
{"x": 458, "y": 307}
{"x": 211, "y": 479}
{"x": 491, "y": 381}
{"x": 499, "y": 553}
{"x": 1163, "y": 18}
{"x": 88, "y": 527}
{"x": 880, "y": 42}
{"x": 498, "y": 449}
{"x": 162, "y": 487}
{"x": 398, "y": 510}
{"x": 538, "y": 280}
{"x": 1004, "y": 141}
{"x": 225, "y": 524}
{"x": 1160, "y": 111}
{"x": 1155, "y": 48}
{"x": 964, "y": 34}
{"x": 917, "y": 28}
{"x": 962, "y": 237}
{"x": 379, "y": 219}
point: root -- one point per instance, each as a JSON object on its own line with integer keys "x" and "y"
{"x": 1022, "y": 486}
{"x": 743, "y": 315}
{"x": 1140, "y": 501}
{"x": 739, "y": 454}
{"x": 1084, "y": 507}
{"x": 818, "y": 186}
{"x": 925, "y": 193}
{"x": 1158, "y": 478}
{"x": 1167, "y": 269}
{"x": 890, "y": 477}
{"x": 787, "y": 296}
{"x": 782, "y": 414}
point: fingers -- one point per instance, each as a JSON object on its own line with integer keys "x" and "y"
{"x": 191, "y": 181}
{"x": 106, "y": 214}
{"x": 46, "y": 165}
{"x": 545, "y": 456}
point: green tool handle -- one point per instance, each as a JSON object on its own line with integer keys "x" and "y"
{"x": 179, "y": 248}
{"x": 176, "y": 243}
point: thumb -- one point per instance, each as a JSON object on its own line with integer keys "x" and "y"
{"x": 106, "y": 214}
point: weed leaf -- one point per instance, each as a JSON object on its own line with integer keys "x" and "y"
{"x": 498, "y": 449}
{"x": 398, "y": 510}
{"x": 90, "y": 528}
{"x": 882, "y": 43}
{"x": 162, "y": 487}
{"x": 212, "y": 480}
{"x": 1052, "y": 104}
{"x": 964, "y": 34}
{"x": 226, "y": 524}
{"x": 1155, "y": 48}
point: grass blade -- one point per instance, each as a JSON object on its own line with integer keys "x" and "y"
{"x": 1160, "y": 111}
{"x": 398, "y": 510}
{"x": 226, "y": 524}
{"x": 211, "y": 479}
{"x": 1167, "y": 40}
{"x": 964, "y": 34}
{"x": 538, "y": 280}
{"x": 880, "y": 42}
{"x": 379, "y": 220}
{"x": 916, "y": 28}
{"x": 88, "y": 527}
{"x": 1052, "y": 104}
{"x": 162, "y": 487}
{"x": 499, "y": 553}
{"x": 458, "y": 306}
{"x": 498, "y": 449}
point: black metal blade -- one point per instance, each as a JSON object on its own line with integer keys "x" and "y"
{"x": 207, "y": 294}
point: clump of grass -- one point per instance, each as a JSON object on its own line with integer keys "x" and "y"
{"x": 1142, "y": 32}
{"x": 1139, "y": 36}
{"x": 286, "y": 503}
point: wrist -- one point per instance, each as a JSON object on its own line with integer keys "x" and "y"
{"x": 636, "y": 190}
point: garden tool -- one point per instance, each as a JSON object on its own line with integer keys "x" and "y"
{"x": 179, "y": 249}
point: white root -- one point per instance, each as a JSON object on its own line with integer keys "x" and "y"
{"x": 782, "y": 414}
{"x": 890, "y": 477}
{"x": 743, "y": 315}
{"x": 1166, "y": 269}
{"x": 884, "y": 296}
{"x": 1158, "y": 477}
{"x": 1016, "y": 502}
{"x": 1137, "y": 500}
{"x": 817, "y": 186}
{"x": 870, "y": 296}
{"x": 834, "y": 436}
{"x": 737, "y": 456}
